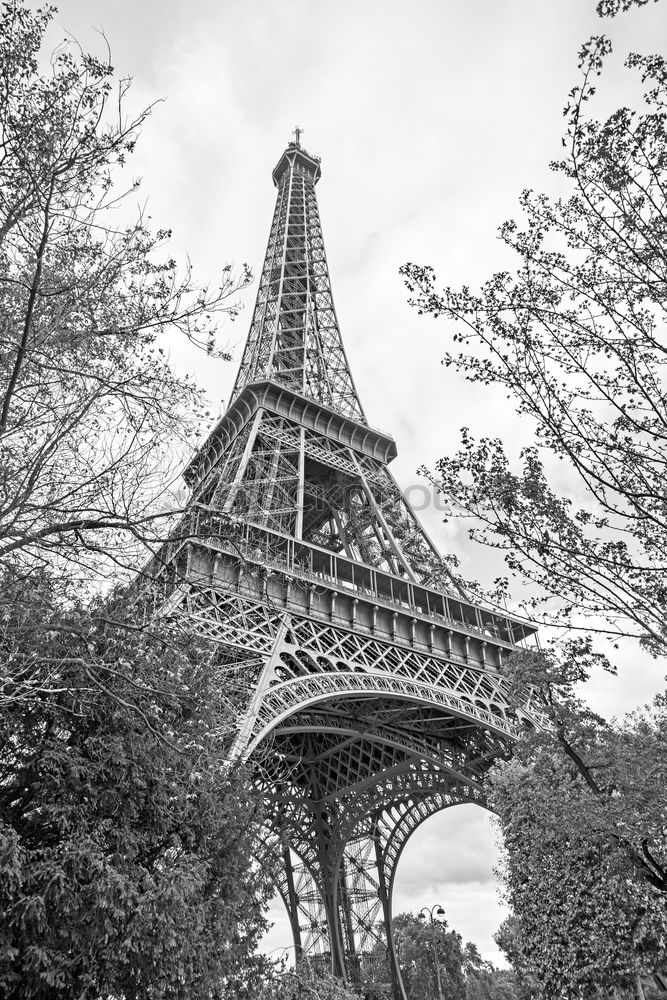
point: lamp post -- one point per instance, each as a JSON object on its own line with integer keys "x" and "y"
{"x": 434, "y": 915}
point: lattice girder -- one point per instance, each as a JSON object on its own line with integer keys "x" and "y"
{"x": 447, "y": 751}
{"x": 278, "y": 473}
{"x": 299, "y": 813}
{"x": 361, "y": 859}
{"x": 316, "y": 661}
{"x": 333, "y": 622}
{"x": 334, "y": 588}
{"x": 294, "y": 337}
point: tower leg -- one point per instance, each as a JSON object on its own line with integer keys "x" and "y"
{"x": 336, "y": 939}
{"x": 360, "y": 953}
{"x": 385, "y": 900}
{"x": 345, "y": 914}
{"x": 292, "y": 906}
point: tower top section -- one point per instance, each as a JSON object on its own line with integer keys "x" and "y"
{"x": 294, "y": 339}
{"x": 297, "y": 159}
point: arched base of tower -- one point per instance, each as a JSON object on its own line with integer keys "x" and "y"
{"x": 340, "y": 906}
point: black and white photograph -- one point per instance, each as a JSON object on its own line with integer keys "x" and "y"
{"x": 333, "y": 500}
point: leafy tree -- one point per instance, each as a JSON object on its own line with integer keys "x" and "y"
{"x": 303, "y": 984}
{"x": 483, "y": 980}
{"x": 575, "y": 335}
{"x": 507, "y": 939}
{"x": 582, "y": 813}
{"x": 93, "y": 421}
{"x": 463, "y": 971}
{"x": 419, "y": 946}
{"x": 125, "y": 843}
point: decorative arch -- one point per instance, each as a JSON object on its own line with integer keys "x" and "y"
{"x": 297, "y": 694}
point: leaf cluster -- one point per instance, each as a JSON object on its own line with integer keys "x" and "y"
{"x": 93, "y": 419}
{"x": 463, "y": 972}
{"x": 304, "y": 983}
{"x": 125, "y": 843}
{"x": 575, "y": 336}
{"x": 582, "y": 814}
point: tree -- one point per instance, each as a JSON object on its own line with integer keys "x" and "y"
{"x": 93, "y": 421}
{"x": 483, "y": 980}
{"x": 125, "y": 842}
{"x": 507, "y": 939}
{"x": 581, "y": 809}
{"x": 576, "y": 337}
{"x": 419, "y": 945}
{"x": 302, "y": 984}
{"x": 125, "y": 839}
{"x": 463, "y": 972}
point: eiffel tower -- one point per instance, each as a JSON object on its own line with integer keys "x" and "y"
{"x": 376, "y": 688}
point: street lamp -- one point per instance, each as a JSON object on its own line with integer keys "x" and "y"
{"x": 435, "y": 916}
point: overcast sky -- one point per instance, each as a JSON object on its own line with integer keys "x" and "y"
{"x": 430, "y": 117}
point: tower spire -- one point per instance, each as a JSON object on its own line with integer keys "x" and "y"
{"x": 294, "y": 336}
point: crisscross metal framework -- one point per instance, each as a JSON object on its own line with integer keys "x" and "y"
{"x": 294, "y": 337}
{"x": 370, "y": 690}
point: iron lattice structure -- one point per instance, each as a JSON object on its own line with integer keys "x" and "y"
{"x": 376, "y": 688}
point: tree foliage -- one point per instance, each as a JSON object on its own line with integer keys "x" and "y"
{"x": 464, "y": 975}
{"x": 125, "y": 845}
{"x": 125, "y": 840}
{"x": 304, "y": 984}
{"x": 610, "y": 8}
{"x": 483, "y": 980}
{"x": 419, "y": 945}
{"x": 93, "y": 420}
{"x": 576, "y": 338}
{"x": 582, "y": 813}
